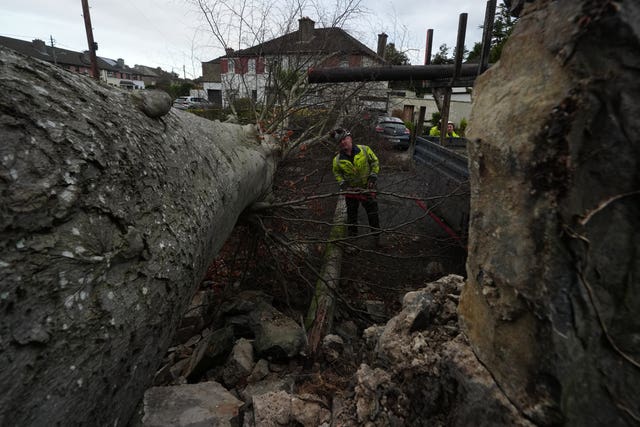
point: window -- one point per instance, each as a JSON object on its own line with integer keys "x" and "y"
{"x": 252, "y": 66}
{"x": 231, "y": 65}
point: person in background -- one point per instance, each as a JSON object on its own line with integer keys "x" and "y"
{"x": 356, "y": 169}
{"x": 451, "y": 133}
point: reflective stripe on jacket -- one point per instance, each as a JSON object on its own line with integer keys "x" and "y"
{"x": 356, "y": 170}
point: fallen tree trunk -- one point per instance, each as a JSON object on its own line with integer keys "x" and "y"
{"x": 109, "y": 219}
{"x": 319, "y": 318}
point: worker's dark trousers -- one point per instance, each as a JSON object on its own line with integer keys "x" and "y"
{"x": 370, "y": 205}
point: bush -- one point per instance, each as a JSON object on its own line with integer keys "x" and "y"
{"x": 212, "y": 114}
{"x": 244, "y": 108}
{"x": 410, "y": 125}
{"x": 463, "y": 126}
{"x": 435, "y": 118}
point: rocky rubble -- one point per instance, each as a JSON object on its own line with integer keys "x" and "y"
{"x": 417, "y": 369}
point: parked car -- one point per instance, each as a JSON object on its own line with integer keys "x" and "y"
{"x": 393, "y": 130}
{"x": 192, "y": 102}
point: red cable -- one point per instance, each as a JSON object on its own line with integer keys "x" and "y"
{"x": 441, "y": 223}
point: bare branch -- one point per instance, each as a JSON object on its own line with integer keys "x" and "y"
{"x": 603, "y": 204}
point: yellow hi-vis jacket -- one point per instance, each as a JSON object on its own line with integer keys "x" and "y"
{"x": 357, "y": 169}
{"x": 435, "y": 131}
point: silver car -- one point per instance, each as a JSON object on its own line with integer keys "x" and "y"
{"x": 192, "y": 102}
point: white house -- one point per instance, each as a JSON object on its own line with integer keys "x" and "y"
{"x": 251, "y": 73}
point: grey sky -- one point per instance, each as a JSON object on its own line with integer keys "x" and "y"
{"x": 172, "y": 34}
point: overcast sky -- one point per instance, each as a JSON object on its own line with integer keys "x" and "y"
{"x": 172, "y": 34}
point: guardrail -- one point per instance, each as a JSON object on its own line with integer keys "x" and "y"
{"x": 447, "y": 161}
{"x": 447, "y": 172}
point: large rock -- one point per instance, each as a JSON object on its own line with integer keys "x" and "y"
{"x": 552, "y": 298}
{"x": 109, "y": 219}
{"x": 190, "y": 405}
{"x": 281, "y": 408}
{"x": 424, "y": 373}
{"x": 277, "y": 336}
{"x": 239, "y": 364}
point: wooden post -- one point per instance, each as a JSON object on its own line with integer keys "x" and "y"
{"x": 489, "y": 17}
{"x": 92, "y": 44}
{"x": 444, "y": 115}
{"x": 427, "y": 52}
{"x": 462, "y": 29}
{"x": 417, "y": 130}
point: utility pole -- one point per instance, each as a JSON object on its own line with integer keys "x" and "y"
{"x": 53, "y": 49}
{"x": 184, "y": 72}
{"x": 93, "y": 46}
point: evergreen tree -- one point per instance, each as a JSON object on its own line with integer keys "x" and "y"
{"x": 442, "y": 57}
{"x": 394, "y": 57}
{"x": 502, "y": 29}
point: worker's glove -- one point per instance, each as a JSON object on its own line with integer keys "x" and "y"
{"x": 371, "y": 182}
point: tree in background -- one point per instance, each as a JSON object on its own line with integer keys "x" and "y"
{"x": 502, "y": 29}
{"x": 395, "y": 57}
{"x": 174, "y": 88}
{"x": 288, "y": 101}
{"x": 442, "y": 57}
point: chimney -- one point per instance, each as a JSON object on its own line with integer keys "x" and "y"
{"x": 39, "y": 46}
{"x": 306, "y": 28}
{"x": 382, "y": 43}
{"x": 228, "y": 51}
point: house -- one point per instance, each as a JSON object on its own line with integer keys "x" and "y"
{"x": 253, "y": 72}
{"x": 407, "y": 104}
{"x": 118, "y": 74}
{"x": 150, "y": 76}
{"x": 113, "y": 72}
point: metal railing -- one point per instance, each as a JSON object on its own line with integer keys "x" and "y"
{"x": 447, "y": 161}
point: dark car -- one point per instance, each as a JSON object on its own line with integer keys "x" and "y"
{"x": 393, "y": 130}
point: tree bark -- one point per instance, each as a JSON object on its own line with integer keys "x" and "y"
{"x": 109, "y": 219}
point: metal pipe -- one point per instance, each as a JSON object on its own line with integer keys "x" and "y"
{"x": 388, "y": 73}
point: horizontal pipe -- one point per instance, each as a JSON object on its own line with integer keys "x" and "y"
{"x": 388, "y": 73}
